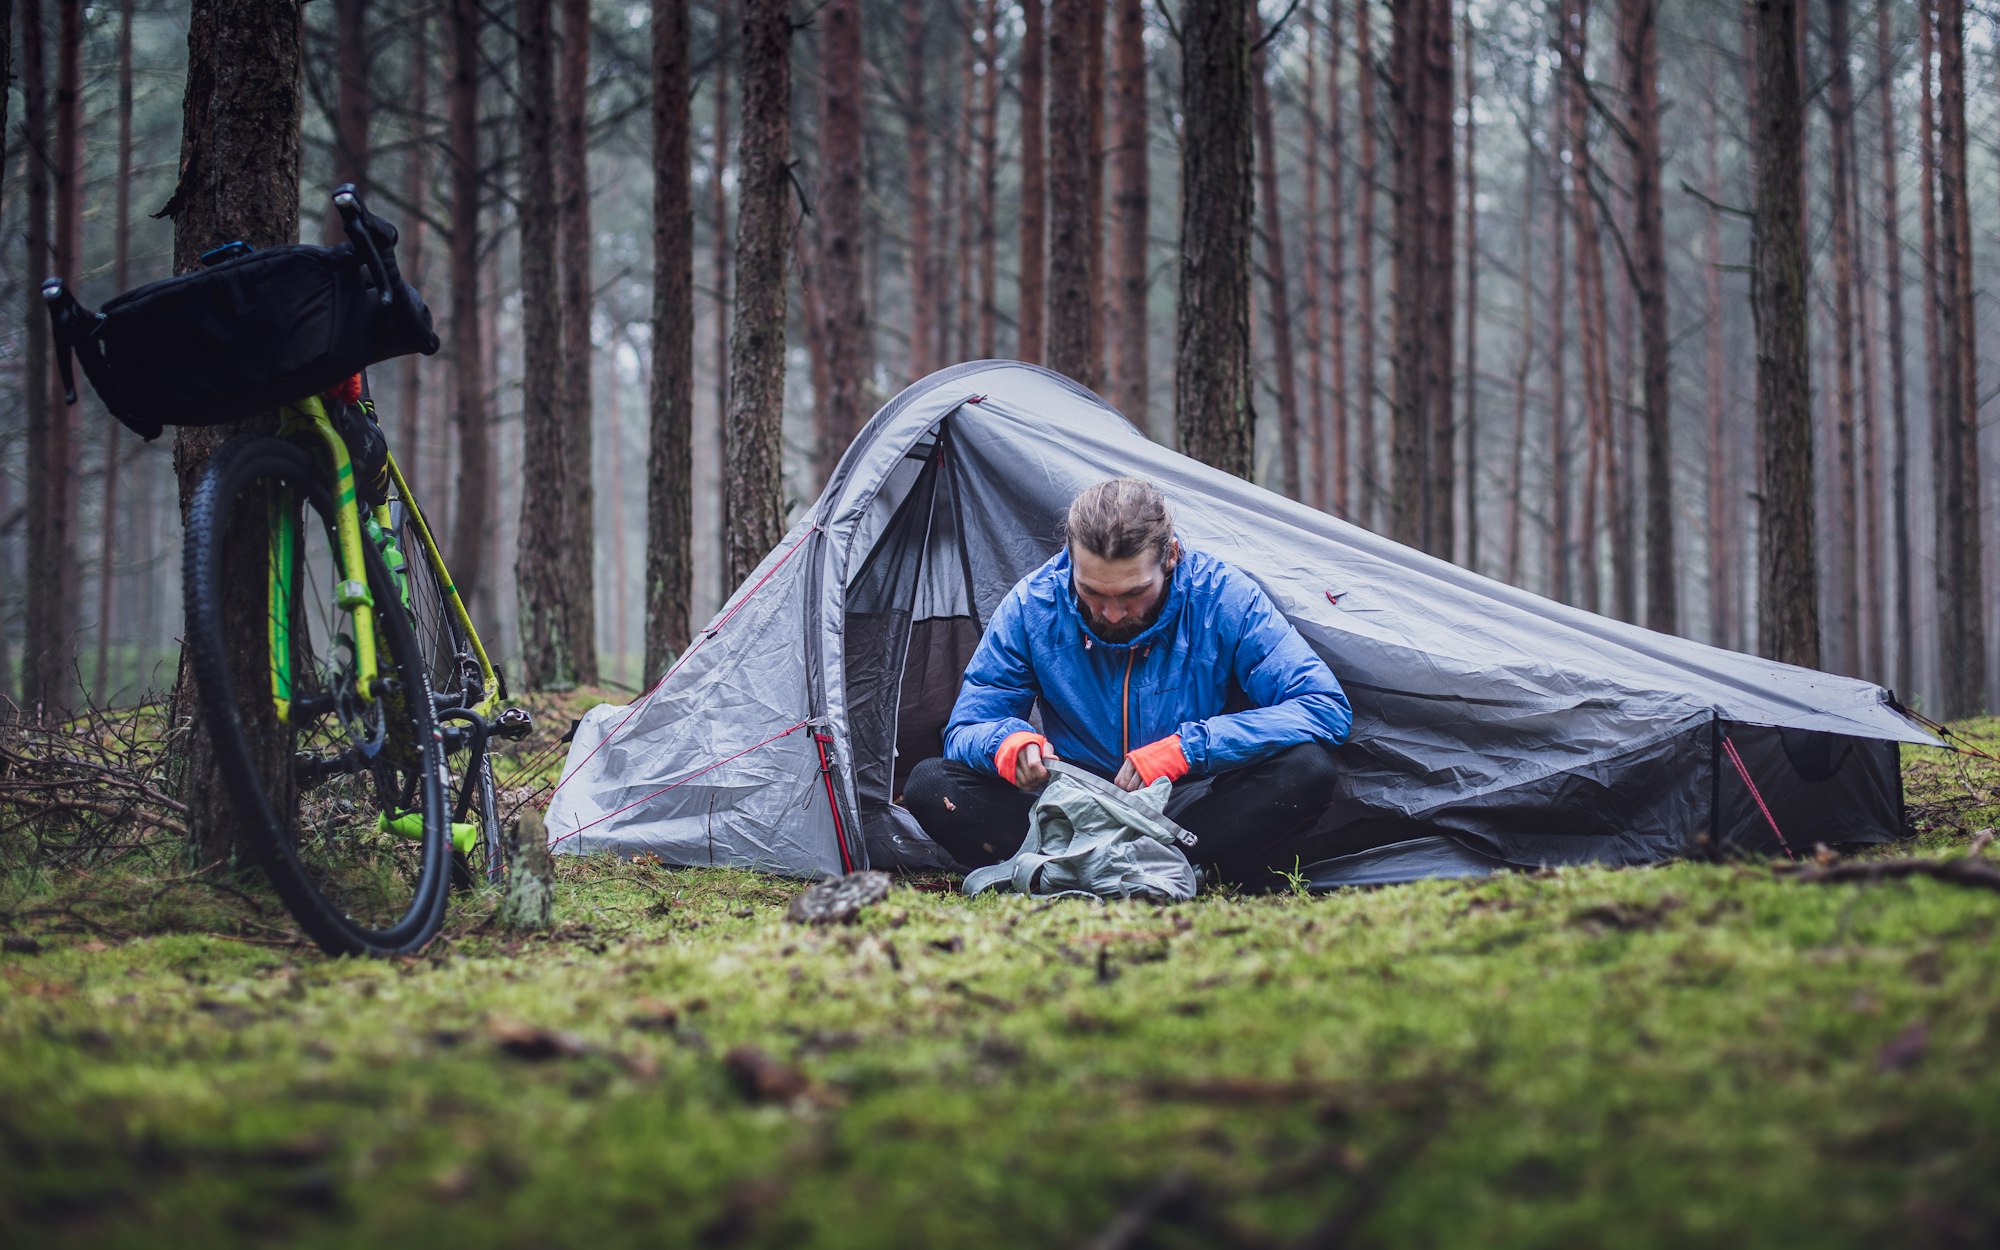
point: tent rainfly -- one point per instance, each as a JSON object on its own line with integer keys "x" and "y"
{"x": 1493, "y": 728}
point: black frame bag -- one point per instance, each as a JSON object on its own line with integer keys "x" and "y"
{"x": 246, "y": 335}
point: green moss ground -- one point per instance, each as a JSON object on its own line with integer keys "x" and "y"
{"x": 1688, "y": 1055}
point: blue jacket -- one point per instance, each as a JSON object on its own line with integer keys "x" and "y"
{"x": 1218, "y": 634}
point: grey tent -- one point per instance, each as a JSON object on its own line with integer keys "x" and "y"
{"x": 1492, "y": 727}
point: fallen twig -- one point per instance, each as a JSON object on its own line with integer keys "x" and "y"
{"x": 1977, "y": 873}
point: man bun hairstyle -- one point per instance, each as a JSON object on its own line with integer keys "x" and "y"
{"x": 1121, "y": 518}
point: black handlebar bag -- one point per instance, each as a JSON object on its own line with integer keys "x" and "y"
{"x": 238, "y": 338}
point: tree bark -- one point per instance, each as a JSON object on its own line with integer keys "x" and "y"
{"x": 1642, "y": 60}
{"x": 1338, "y": 490}
{"x": 1471, "y": 530}
{"x": 1131, "y": 207}
{"x": 577, "y": 413}
{"x": 670, "y": 423}
{"x": 1955, "y": 446}
{"x": 1369, "y": 469}
{"x": 1845, "y": 651}
{"x": 757, "y": 340}
{"x": 1072, "y": 325}
{"x": 550, "y": 652}
{"x": 838, "y": 257}
{"x": 1318, "y": 433}
{"x": 1421, "y": 86}
{"x": 1440, "y": 290}
{"x": 1277, "y": 285}
{"x": 1523, "y": 363}
{"x": 1721, "y": 507}
{"x": 350, "y": 117}
{"x": 1788, "y": 622}
{"x": 239, "y": 180}
{"x": 1560, "y": 587}
{"x": 1904, "y": 673}
{"x": 1093, "y": 90}
{"x": 916, "y": 129}
{"x": 410, "y": 252}
{"x": 6, "y": 482}
{"x": 1212, "y": 405}
{"x": 1034, "y": 296}
{"x": 726, "y": 23}
{"x": 989, "y": 181}
{"x": 64, "y": 465}
{"x": 121, "y": 278}
{"x": 472, "y": 518}
{"x": 44, "y": 658}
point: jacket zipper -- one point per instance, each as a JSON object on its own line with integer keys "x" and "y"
{"x": 1125, "y": 708}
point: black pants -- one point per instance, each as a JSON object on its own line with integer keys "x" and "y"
{"x": 1237, "y": 817}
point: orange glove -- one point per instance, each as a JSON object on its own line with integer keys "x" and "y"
{"x": 1159, "y": 759}
{"x": 1010, "y": 750}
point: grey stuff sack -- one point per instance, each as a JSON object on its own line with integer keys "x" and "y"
{"x": 1088, "y": 837}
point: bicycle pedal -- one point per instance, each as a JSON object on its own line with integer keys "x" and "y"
{"x": 514, "y": 724}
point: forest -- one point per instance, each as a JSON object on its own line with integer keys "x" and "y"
{"x": 1500, "y": 291}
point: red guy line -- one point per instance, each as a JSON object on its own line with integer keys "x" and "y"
{"x": 706, "y": 634}
{"x": 1729, "y": 749}
{"x": 683, "y": 781}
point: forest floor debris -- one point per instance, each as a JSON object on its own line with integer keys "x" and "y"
{"x": 1691, "y": 1053}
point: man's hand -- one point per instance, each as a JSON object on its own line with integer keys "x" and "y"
{"x": 1128, "y": 778}
{"x": 1030, "y": 773}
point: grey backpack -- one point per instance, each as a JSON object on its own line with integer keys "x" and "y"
{"x": 1086, "y": 836}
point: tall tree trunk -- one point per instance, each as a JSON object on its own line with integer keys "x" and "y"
{"x": 1212, "y": 408}
{"x": 577, "y": 413}
{"x": 6, "y": 482}
{"x": 1560, "y": 587}
{"x": 1845, "y": 651}
{"x": 239, "y": 179}
{"x": 1523, "y": 363}
{"x": 64, "y": 463}
{"x": 1317, "y": 432}
{"x": 989, "y": 180}
{"x": 351, "y": 106}
{"x": 1955, "y": 450}
{"x": 757, "y": 342}
{"x": 1933, "y": 297}
{"x": 1721, "y": 507}
{"x": 121, "y": 278}
{"x": 473, "y": 515}
{"x": 670, "y": 404}
{"x": 1131, "y": 205}
{"x": 1904, "y": 673}
{"x": 1593, "y": 322}
{"x": 1642, "y": 60}
{"x": 1033, "y": 309}
{"x": 1369, "y": 479}
{"x": 1276, "y": 281}
{"x": 44, "y": 663}
{"x": 1471, "y": 306}
{"x": 838, "y": 257}
{"x": 1093, "y": 168}
{"x": 1788, "y": 624}
{"x": 1440, "y": 285}
{"x": 1338, "y": 489}
{"x": 962, "y": 163}
{"x": 550, "y": 652}
{"x": 410, "y": 251}
{"x": 1072, "y": 325}
{"x": 917, "y": 132}
{"x": 726, "y": 23}
{"x": 1409, "y": 414}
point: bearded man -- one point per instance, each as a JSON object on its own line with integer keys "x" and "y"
{"x": 1148, "y": 660}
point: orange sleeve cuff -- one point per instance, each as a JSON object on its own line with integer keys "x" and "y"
{"x": 1010, "y": 748}
{"x": 1160, "y": 759}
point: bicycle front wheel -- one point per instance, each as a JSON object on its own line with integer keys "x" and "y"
{"x": 339, "y": 778}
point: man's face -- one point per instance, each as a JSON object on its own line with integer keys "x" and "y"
{"x": 1120, "y": 599}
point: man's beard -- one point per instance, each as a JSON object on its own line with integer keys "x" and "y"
{"x": 1127, "y": 629}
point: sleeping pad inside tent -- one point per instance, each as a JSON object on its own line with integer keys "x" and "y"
{"x": 1493, "y": 728}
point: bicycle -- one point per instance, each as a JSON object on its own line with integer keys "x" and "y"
{"x": 341, "y": 732}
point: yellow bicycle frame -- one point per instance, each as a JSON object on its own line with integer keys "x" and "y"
{"x": 307, "y": 418}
